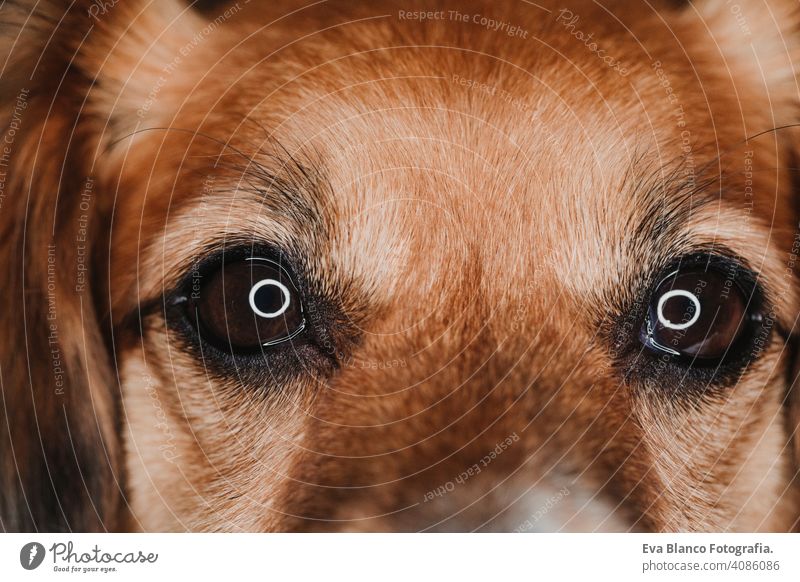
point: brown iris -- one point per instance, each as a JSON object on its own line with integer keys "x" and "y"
{"x": 698, "y": 313}
{"x": 247, "y": 304}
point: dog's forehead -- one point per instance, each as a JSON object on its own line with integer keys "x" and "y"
{"x": 456, "y": 163}
{"x": 426, "y": 178}
{"x": 420, "y": 180}
{"x": 428, "y": 168}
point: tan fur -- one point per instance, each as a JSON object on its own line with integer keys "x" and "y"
{"x": 479, "y": 244}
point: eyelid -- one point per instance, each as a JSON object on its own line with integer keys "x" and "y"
{"x": 720, "y": 258}
{"x": 176, "y": 287}
{"x": 747, "y": 286}
{"x": 228, "y": 292}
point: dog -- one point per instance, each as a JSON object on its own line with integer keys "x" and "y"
{"x": 333, "y": 266}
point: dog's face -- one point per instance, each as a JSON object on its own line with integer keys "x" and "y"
{"x": 367, "y": 272}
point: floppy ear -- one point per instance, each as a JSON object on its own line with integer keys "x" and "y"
{"x": 61, "y": 461}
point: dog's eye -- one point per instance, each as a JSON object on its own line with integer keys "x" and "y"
{"x": 248, "y": 304}
{"x": 699, "y": 312}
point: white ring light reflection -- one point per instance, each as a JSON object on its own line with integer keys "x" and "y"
{"x": 263, "y": 283}
{"x": 677, "y": 293}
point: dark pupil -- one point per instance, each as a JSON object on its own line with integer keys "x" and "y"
{"x": 249, "y": 304}
{"x": 269, "y": 297}
{"x": 679, "y": 310}
{"x": 697, "y": 313}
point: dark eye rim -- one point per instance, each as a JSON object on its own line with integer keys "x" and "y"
{"x": 262, "y": 348}
{"x": 644, "y": 366}
{"x": 180, "y": 319}
{"x": 744, "y": 281}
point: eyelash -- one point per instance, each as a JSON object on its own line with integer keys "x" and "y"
{"x": 284, "y": 362}
{"x": 641, "y": 365}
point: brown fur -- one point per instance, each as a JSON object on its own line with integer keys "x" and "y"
{"x": 479, "y": 247}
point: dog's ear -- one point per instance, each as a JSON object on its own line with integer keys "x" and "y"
{"x": 61, "y": 463}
